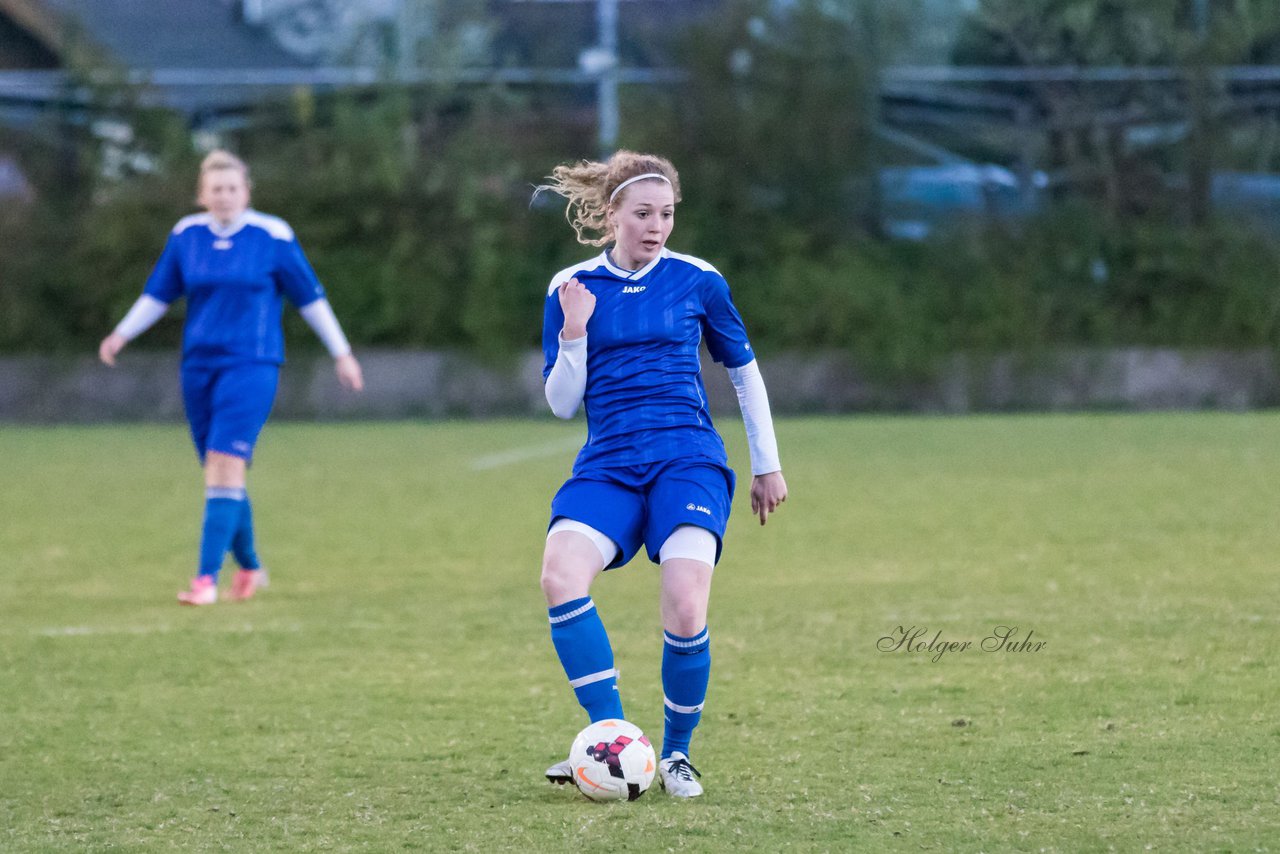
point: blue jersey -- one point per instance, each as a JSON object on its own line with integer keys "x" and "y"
{"x": 234, "y": 279}
{"x": 645, "y": 401}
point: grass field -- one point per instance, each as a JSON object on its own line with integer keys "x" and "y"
{"x": 395, "y": 688}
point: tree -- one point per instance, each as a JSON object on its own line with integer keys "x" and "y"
{"x": 783, "y": 96}
{"x": 1088, "y": 125}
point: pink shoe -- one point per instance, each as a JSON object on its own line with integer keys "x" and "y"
{"x": 204, "y": 591}
{"x": 247, "y": 582}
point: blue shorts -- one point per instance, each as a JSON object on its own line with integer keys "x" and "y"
{"x": 644, "y": 504}
{"x": 227, "y": 407}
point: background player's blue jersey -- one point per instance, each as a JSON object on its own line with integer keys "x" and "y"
{"x": 234, "y": 280}
{"x": 644, "y": 399}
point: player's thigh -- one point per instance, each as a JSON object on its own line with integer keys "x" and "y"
{"x": 565, "y": 542}
{"x": 574, "y": 555}
{"x": 242, "y": 401}
{"x": 614, "y": 509}
{"x": 688, "y": 492}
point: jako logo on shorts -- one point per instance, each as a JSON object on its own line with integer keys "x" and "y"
{"x": 698, "y": 507}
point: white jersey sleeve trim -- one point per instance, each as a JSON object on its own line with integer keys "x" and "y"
{"x": 754, "y": 402}
{"x": 569, "y": 272}
{"x": 567, "y": 383}
{"x": 192, "y": 220}
{"x": 145, "y": 312}
{"x": 273, "y": 225}
{"x": 694, "y": 260}
{"x": 319, "y": 316}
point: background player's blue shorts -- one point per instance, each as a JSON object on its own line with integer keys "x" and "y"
{"x": 644, "y": 504}
{"x": 227, "y": 407}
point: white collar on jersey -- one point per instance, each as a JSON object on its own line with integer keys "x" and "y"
{"x": 632, "y": 274}
{"x": 231, "y": 228}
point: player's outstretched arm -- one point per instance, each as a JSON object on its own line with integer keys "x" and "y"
{"x": 319, "y": 316}
{"x": 768, "y": 487}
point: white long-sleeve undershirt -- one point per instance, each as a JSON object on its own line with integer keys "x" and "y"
{"x": 753, "y": 400}
{"x": 320, "y": 317}
{"x": 567, "y": 383}
{"x": 141, "y": 317}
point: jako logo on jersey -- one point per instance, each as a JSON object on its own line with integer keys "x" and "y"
{"x": 222, "y": 243}
{"x": 698, "y": 507}
{"x": 634, "y": 289}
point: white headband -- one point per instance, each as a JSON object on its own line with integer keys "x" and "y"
{"x": 618, "y": 189}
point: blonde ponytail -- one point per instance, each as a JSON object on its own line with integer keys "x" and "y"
{"x": 588, "y": 186}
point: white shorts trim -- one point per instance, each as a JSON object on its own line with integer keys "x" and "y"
{"x": 608, "y": 548}
{"x": 690, "y": 543}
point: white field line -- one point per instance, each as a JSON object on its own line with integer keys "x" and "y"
{"x": 158, "y": 629}
{"x": 529, "y": 452}
{"x": 168, "y": 628}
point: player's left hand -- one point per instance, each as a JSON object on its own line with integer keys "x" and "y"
{"x": 767, "y": 492}
{"x": 349, "y": 373}
{"x": 111, "y": 347}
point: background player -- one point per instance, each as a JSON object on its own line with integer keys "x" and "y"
{"x": 620, "y": 334}
{"x": 233, "y": 265}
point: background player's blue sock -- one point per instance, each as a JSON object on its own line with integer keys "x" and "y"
{"x": 583, "y": 646}
{"x": 222, "y": 509}
{"x": 242, "y": 544}
{"x": 686, "y": 669}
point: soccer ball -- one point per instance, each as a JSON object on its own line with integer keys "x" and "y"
{"x": 612, "y": 761}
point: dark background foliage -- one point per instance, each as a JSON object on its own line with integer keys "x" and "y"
{"x": 413, "y": 204}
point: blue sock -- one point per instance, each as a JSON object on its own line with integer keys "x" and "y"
{"x": 242, "y": 545}
{"x": 583, "y": 646}
{"x": 686, "y": 669}
{"x": 222, "y": 509}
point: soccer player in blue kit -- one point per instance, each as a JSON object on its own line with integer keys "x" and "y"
{"x": 234, "y": 265}
{"x": 620, "y": 335}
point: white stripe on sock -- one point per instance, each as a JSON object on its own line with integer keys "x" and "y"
{"x": 576, "y": 612}
{"x": 684, "y": 710}
{"x": 592, "y": 677}
{"x": 235, "y": 493}
{"x": 697, "y": 640}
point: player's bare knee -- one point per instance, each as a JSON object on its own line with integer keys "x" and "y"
{"x": 686, "y": 619}
{"x": 224, "y": 470}
{"x": 551, "y": 582}
{"x": 563, "y": 579}
{"x": 684, "y": 609}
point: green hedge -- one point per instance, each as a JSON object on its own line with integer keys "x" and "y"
{"x": 443, "y": 250}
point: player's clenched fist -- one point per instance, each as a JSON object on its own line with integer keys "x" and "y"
{"x": 577, "y": 303}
